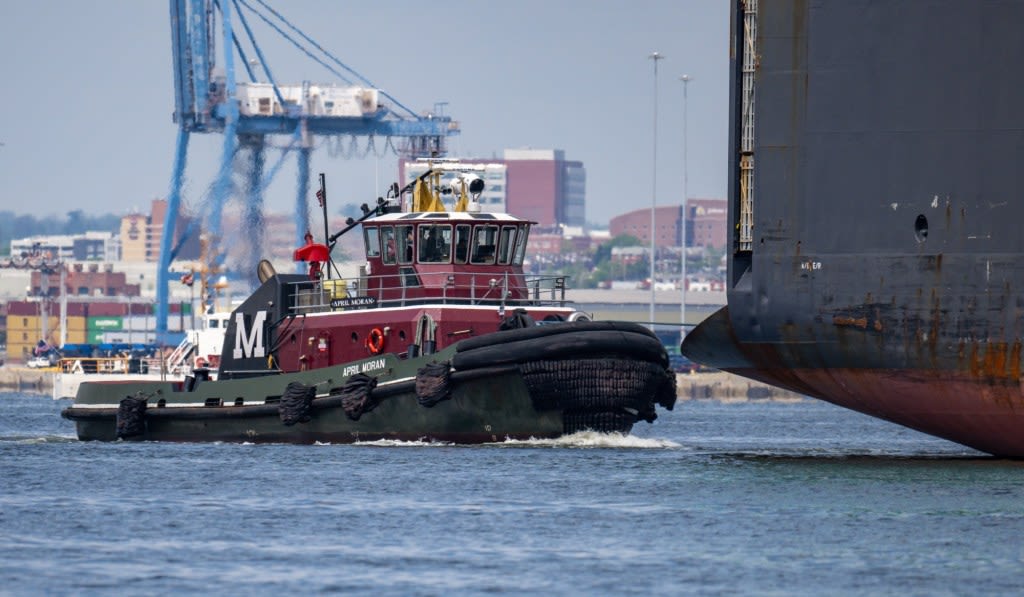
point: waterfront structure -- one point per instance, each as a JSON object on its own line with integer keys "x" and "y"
{"x": 87, "y": 246}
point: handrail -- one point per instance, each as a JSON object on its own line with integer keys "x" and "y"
{"x": 106, "y": 365}
{"x": 443, "y": 287}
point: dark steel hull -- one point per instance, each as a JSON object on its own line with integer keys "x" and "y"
{"x": 540, "y": 382}
{"x": 882, "y": 269}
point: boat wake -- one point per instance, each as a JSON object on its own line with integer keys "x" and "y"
{"x": 581, "y": 439}
{"x": 37, "y": 439}
{"x": 593, "y": 439}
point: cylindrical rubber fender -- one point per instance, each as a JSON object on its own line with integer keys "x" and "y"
{"x": 357, "y": 396}
{"x": 296, "y": 403}
{"x": 131, "y": 416}
{"x": 433, "y": 384}
{"x": 542, "y": 331}
{"x": 593, "y": 384}
{"x": 581, "y": 344}
{"x": 668, "y": 392}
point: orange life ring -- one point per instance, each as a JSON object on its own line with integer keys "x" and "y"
{"x": 375, "y": 341}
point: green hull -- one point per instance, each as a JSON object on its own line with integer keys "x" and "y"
{"x": 542, "y": 393}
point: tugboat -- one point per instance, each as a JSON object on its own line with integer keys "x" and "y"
{"x": 441, "y": 337}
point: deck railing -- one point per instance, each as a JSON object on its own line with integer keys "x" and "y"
{"x": 443, "y": 287}
{"x": 110, "y": 365}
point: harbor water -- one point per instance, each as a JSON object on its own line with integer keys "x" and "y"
{"x": 759, "y": 497}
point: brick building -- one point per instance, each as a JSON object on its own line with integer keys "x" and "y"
{"x": 705, "y": 224}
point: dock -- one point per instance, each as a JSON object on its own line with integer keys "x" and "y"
{"x": 25, "y": 380}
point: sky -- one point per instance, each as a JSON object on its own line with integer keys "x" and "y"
{"x": 86, "y": 120}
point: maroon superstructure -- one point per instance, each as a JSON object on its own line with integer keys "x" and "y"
{"x": 432, "y": 278}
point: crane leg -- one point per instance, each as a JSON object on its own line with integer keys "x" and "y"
{"x": 163, "y": 269}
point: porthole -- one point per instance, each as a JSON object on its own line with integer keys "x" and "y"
{"x": 921, "y": 228}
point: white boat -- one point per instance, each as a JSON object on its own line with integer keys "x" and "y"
{"x": 200, "y": 349}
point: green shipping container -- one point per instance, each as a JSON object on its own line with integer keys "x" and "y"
{"x": 105, "y": 323}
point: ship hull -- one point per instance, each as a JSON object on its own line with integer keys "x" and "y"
{"x": 539, "y": 382}
{"x": 876, "y": 197}
{"x": 975, "y": 405}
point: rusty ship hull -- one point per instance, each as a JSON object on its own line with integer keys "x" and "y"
{"x": 876, "y": 193}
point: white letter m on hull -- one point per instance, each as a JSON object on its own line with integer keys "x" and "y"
{"x": 248, "y": 345}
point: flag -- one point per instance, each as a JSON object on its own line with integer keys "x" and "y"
{"x": 320, "y": 197}
{"x": 188, "y": 279}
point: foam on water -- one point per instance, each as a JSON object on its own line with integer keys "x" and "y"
{"x": 37, "y": 439}
{"x": 593, "y": 439}
{"x": 582, "y": 439}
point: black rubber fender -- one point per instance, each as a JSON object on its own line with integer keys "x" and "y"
{"x": 580, "y": 344}
{"x": 543, "y": 331}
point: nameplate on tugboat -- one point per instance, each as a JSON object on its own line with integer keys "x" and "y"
{"x": 353, "y": 301}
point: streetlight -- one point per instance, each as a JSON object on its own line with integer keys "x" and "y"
{"x": 682, "y": 221}
{"x": 655, "y": 56}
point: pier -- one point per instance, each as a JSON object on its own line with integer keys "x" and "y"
{"x": 25, "y": 380}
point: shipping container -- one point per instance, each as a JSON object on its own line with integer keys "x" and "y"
{"x": 105, "y": 323}
{"x": 19, "y": 352}
{"x": 107, "y": 309}
{"x": 31, "y": 323}
{"x": 76, "y": 323}
{"x": 76, "y": 337}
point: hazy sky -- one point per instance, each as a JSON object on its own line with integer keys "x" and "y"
{"x": 86, "y": 120}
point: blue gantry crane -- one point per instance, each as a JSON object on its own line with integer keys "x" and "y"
{"x": 245, "y": 113}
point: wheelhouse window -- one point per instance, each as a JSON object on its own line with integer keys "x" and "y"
{"x": 485, "y": 239}
{"x": 405, "y": 244}
{"x": 508, "y": 234}
{"x": 435, "y": 243}
{"x": 520, "y": 254}
{"x": 387, "y": 237}
{"x": 462, "y": 236}
{"x": 372, "y": 237}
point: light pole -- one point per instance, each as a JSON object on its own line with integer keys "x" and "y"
{"x": 655, "y": 57}
{"x": 682, "y": 220}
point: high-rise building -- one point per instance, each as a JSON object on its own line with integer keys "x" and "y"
{"x": 141, "y": 235}
{"x": 537, "y": 184}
